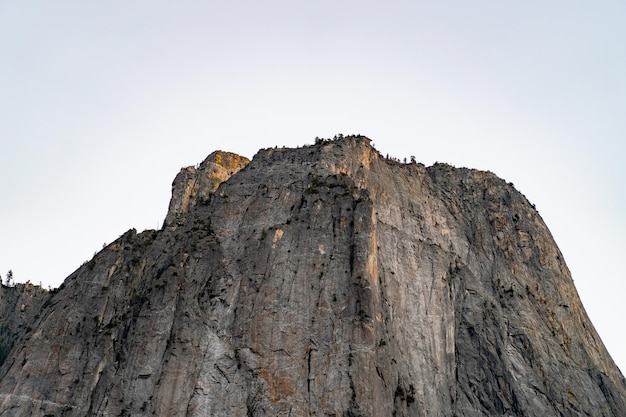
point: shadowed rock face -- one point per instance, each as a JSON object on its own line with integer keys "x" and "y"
{"x": 328, "y": 281}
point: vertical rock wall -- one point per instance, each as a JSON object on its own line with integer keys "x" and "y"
{"x": 325, "y": 280}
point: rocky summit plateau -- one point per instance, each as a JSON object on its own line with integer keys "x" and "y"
{"x": 326, "y": 280}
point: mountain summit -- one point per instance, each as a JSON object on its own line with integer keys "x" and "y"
{"x": 326, "y": 280}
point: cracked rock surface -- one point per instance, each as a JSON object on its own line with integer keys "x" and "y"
{"x": 320, "y": 281}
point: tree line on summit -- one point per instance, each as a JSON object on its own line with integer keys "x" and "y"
{"x": 339, "y": 136}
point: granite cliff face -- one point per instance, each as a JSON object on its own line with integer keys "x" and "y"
{"x": 20, "y": 305}
{"x": 325, "y": 280}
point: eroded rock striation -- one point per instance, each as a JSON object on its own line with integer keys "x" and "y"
{"x": 325, "y": 280}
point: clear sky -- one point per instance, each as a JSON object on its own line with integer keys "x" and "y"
{"x": 101, "y": 104}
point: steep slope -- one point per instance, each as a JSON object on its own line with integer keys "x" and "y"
{"x": 324, "y": 280}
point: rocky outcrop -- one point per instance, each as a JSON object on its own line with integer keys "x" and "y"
{"x": 326, "y": 280}
{"x": 193, "y": 185}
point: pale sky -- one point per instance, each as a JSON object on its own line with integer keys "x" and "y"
{"x": 101, "y": 104}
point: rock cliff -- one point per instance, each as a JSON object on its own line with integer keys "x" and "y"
{"x": 19, "y": 307}
{"x": 325, "y": 280}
